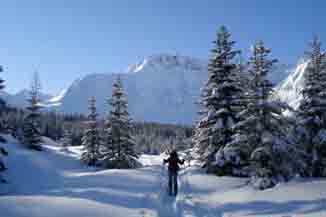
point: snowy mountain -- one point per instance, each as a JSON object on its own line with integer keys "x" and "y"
{"x": 161, "y": 88}
{"x": 290, "y": 88}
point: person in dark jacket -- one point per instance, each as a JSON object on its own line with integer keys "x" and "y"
{"x": 173, "y": 168}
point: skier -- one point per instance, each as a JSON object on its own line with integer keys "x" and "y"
{"x": 173, "y": 168}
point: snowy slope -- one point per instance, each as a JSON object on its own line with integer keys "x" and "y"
{"x": 56, "y": 100}
{"x": 205, "y": 195}
{"x": 162, "y": 88}
{"x": 289, "y": 89}
{"x": 55, "y": 184}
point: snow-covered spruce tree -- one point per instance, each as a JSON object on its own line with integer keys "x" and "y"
{"x": 31, "y": 127}
{"x": 91, "y": 138}
{"x": 311, "y": 124}
{"x": 2, "y": 101}
{"x": 3, "y": 107}
{"x": 3, "y": 151}
{"x": 219, "y": 102}
{"x": 5, "y": 123}
{"x": 261, "y": 147}
{"x": 230, "y": 159}
{"x": 119, "y": 146}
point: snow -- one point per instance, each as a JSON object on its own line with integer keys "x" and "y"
{"x": 150, "y": 160}
{"x": 54, "y": 183}
{"x": 290, "y": 89}
{"x": 49, "y": 142}
{"x": 57, "y": 99}
{"x": 234, "y": 197}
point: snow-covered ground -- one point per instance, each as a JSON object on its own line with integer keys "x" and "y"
{"x": 54, "y": 183}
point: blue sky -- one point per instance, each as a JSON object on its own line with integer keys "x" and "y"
{"x": 64, "y": 40}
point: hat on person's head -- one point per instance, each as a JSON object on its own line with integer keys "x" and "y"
{"x": 173, "y": 152}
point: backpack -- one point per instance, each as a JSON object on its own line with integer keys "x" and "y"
{"x": 173, "y": 164}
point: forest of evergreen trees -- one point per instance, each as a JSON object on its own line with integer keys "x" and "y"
{"x": 243, "y": 130}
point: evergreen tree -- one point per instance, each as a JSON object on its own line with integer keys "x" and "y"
{"x": 3, "y": 109}
{"x": 4, "y": 122}
{"x": 3, "y": 151}
{"x": 220, "y": 98}
{"x": 311, "y": 126}
{"x": 261, "y": 146}
{"x": 91, "y": 138}
{"x": 119, "y": 146}
{"x": 31, "y": 128}
{"x": 2, "y": 101}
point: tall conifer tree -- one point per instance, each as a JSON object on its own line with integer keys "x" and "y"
{"x": 219, "y": 101}
{"x": 3, "y": 151}
{"x": 311, "y": 126}
{"x": 91, "y": 138}
{"x": 119, "y": 146}
{"x": 261, "y": 141}
{"x": 31, "y": 129}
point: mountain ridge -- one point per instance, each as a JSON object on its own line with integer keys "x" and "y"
{"x": 160, "y": 88}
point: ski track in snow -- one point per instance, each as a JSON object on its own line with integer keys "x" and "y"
{"x": 181, "y": 205}
{"x": 166, "y": 203}
{"x": 186, "y": 206}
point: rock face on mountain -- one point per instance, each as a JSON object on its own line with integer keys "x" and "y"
{"x": 162, "y": 88}
{"x": 289, "y": 90}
